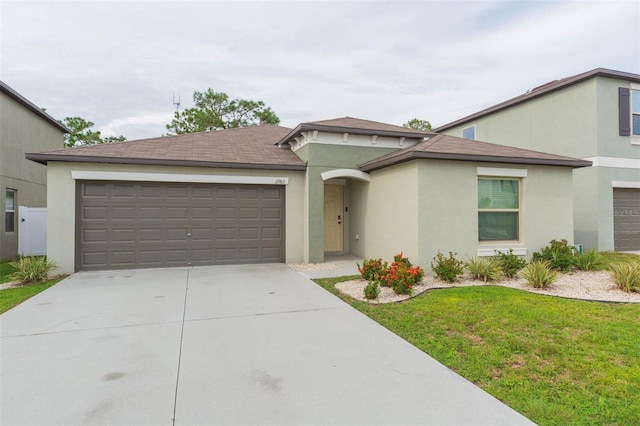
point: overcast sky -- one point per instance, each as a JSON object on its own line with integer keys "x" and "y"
{"x": 118, "y": 64}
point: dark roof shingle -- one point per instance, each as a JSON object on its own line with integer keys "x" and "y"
{"x": 445, "y": 147}
{"x": 248, "y": 147}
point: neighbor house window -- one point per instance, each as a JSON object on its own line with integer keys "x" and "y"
{"x": 498, "y": 209}
{"x": 635, "y": 112}
{"x": 469, "y": 133}
{"x": 10, "y": 210}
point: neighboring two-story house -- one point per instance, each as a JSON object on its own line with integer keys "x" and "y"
{"x": 23, "y": 128}
{"x": 594, "y": 116}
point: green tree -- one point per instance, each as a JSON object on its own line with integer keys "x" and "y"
{"x": 215, "y": 110}
{"x": 417, "y": 124}
{"x": 81, "y": 133}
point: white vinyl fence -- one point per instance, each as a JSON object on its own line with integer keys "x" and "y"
{"x": 32, "y": 231}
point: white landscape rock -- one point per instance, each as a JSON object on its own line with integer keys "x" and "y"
{"x": 575, "y": 285}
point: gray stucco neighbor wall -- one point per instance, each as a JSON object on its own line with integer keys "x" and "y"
{"x": 22, "y": 131}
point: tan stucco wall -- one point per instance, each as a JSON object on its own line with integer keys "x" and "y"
{"x": 61, "y": 193}
{"x": 425, "y": 206}
{"x": 22, "y": 131}
{"x": 384, "y": 213}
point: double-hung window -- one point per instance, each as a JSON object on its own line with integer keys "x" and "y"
{"x": 10, "y": 210}
{"x": 498, "y": 209}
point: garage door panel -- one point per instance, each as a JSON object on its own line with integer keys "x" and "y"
{"x": 271, "y": 233}
{"x": 249, "y": 213}
{"x": 124, "y": 236}
{"x": 202, "y": 213}
{"x": 626, "y": 219}
{"x": 272, "y": 213}
{"x": 133, "y": 225}
{"x": 99, "y": 213}
{"x": 226, "y": 213}
{"x": 272, "y": 253}
{"x": 150, "y": 213}
{"x": 226, "y": 193}
{"x": 150, "y": 235}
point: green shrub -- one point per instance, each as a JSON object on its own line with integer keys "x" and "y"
{"x": 509, "y": 263}
{"x": 32, "y": 269}
{"x": 371, "y": 269}
{"x": 447, "y": 268}
{"x": 559, "y": 254}
{"x": 538, "y": 273}
{"x": 372, "y": 290}
{"x": 485, "y": 269}
{"x": 627, "y": 276}
{"x": 589, "y": 261}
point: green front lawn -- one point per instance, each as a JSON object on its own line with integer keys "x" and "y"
{"x": 14, "y": 296}
{"x": 11, "y": 297}
{"x": 556, "y": 361}
{"x": 5, "y": 270}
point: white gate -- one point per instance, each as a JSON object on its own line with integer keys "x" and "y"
{"x": 32, "y": 231}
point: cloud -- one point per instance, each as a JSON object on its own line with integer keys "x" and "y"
{"x": 133, "y": 125}
{"x": 119, "y": 63}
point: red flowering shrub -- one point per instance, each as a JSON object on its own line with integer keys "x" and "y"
{"x": 401, "y": 275}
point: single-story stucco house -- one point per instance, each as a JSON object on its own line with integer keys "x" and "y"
{"x": 272, "y": 194}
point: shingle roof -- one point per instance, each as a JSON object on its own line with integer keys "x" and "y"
{"x": 445, "y": 147}
{"x": 356, "y": 126}
{"x": 4, "y": 88}
{"x": 544, "y": 89}
{"x": 248, "y": 147}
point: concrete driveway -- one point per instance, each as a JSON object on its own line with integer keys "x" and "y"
{"x": 255, "y": 344}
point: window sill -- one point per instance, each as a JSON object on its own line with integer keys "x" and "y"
{"x": 635, "y": 142}
{"x": 486, "y": 251}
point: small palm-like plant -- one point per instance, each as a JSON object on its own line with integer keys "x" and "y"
{"x": 627, "y": 276}
{"x": 32, "y": 269}
{"x": 589, "y": 260}
{"x": 485, "y": 269}
{"x": 538, "y": 273}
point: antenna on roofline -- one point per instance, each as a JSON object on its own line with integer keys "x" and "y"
{"x": 176, "y": 103}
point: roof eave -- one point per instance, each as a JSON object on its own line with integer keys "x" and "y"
{"x": 376, "y": 165}
{"x": 45, "y": 158}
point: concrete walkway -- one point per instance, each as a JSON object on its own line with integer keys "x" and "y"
{"x": 255, "y": 344}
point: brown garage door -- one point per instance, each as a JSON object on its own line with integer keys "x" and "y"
{"x": 124, "y": 225}
{"x": 626, "y": 219}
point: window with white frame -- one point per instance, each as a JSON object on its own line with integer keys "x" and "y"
{"x": 10, "y": 210}
{"x": 498, "y": 209}
{"x": 469, "y": 133}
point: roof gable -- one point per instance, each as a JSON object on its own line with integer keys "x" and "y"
{"x": 542, "y": 90}
{"x": 4, "y": 88}
{"x": 356, "y": 126}
{"x": 446, "y": 147}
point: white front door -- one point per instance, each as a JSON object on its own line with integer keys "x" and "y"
{"x": 333, "y": 218}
